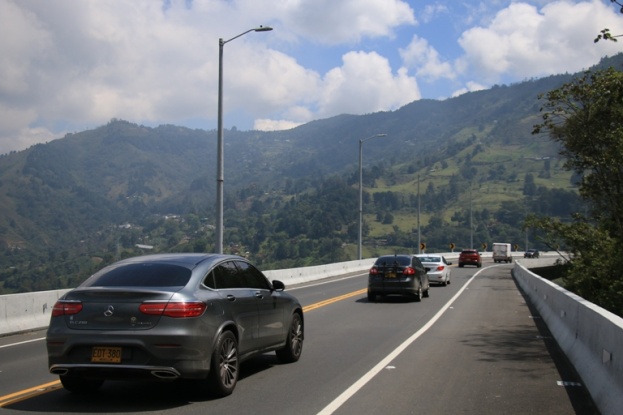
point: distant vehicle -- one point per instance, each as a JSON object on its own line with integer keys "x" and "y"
{"x": 531, "y": 253}
{"x": 439, "y": 268}
{"x": 470, "y": 257}
{"x": 171, "y": 316}
{"x": 398, "y": 274}
{"x": 502, "y": 252}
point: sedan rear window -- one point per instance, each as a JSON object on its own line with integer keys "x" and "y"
{"x": 140, "y": 275}
{"x": 430, "y": 259}
{"x": 401, "y": 260}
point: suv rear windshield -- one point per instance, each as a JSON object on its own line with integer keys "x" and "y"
{"x": 141, "y": 275}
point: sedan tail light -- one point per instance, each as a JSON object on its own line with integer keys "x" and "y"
{"x": 440, "y": 267}
{"x": 66, "y": 308}
{"x": 175, "y": 310}
{"x": 374, "y": 271}
{"x": 408, "y": 271}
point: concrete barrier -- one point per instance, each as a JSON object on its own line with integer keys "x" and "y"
{"x": 27, "y": 311}
{"x": 590, "y": 337}
{"x": 32, "y": 311}
{"x": 295, "y": 276}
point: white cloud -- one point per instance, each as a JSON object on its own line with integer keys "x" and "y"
{"x": 344, "y": 21}
{"x": 73, "y": 64}
{"x": 433, "y": 10}
{"x": 426, "y": 61}
{"x": 274, "y": 125}
{"x": 469, "y": 87}
{"x": 522, "y": 41}
{"x": 364, "y": 84}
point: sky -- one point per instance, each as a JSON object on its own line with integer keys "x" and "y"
{"x": 72, "y": 65}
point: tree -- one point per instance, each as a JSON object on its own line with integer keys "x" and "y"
{"x": 585, "y": 116}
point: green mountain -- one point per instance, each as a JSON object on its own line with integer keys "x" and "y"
{"x": 291, "y": 196}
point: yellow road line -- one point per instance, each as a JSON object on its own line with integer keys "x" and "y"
{"x": 28, "y": 393}
{"x": 49, "y": 387}
{"x": 333, "y": 300}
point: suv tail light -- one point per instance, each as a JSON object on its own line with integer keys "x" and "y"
{"x": 66, "y": 308}
{"x": 175, "y": 310}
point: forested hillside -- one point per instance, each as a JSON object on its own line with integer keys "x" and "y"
{"x": 469, "y": 163}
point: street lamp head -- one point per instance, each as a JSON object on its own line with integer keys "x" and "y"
{"x": 263, "y": 29}
{"x": 361, "y": 140}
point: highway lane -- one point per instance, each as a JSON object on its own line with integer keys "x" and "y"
{"x": 470, "y": 360}
{"x": 23, "y": 362}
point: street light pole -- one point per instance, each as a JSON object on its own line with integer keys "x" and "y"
{"x": 419, "y": 239}
{"x": 361, "y": 141}
{"x": 220, "y": 159}
{"x": 471, "y": 218}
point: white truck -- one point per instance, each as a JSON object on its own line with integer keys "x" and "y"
{"x": 502, "y": 252}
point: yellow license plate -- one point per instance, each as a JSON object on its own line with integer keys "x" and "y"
{"x": 391, "y": 275}
{"x": 106, "y": 355}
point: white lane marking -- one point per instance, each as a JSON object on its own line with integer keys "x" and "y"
{"x": 24, "y": 342}
{"x": 355, "y": 387}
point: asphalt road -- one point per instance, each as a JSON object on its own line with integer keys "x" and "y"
{"x": 473, "y": 347}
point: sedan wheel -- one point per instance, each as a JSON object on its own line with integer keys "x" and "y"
{"x": 224, "y": 366}
{"x": 418, "y": 294}
{"x": 294, "y": 343}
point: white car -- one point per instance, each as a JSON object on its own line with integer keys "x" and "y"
{"x": 439, "y": 268}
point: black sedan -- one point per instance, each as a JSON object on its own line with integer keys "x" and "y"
{"x": 531, "y": 253}
{"x": 398, "y": 274}
{"x": 171, "y": 316}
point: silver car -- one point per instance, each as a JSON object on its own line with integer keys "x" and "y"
{"x": 439, "y": 268}
{"x": 171, "y": 316}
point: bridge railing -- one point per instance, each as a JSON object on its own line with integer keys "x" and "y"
{"x": 590, "y": 337}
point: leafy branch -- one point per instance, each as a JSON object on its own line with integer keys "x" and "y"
{"x": 605, "y": 33}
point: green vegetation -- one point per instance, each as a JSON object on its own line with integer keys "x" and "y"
{"x": 291, "y": 197}
{"x": 586, "y": 117}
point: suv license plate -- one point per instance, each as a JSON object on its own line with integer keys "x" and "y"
{"x": 106, "y": 355}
